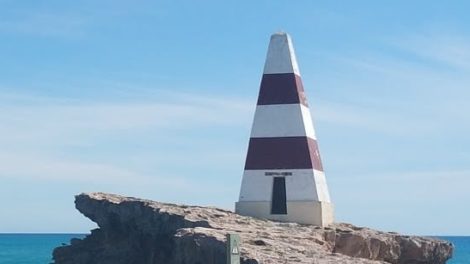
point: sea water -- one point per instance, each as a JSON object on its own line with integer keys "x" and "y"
{"x": 31, "y": 248}
{"x": 37, "y": 248}
{"x": 461, "y": 249}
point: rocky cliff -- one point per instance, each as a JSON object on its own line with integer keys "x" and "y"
{"x": 135, "y": 231}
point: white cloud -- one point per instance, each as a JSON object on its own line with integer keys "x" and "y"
{"x": 417, "y": 89}
{"x": 44, "y": 24}
{"x": 411, "y": 201}
{"x": 371, "y": 118}
{"x": 36, "y": 167}
{"x": 59, "y": 122}
{"x": 448, "y": 49}
{"x": 92, "y": 144}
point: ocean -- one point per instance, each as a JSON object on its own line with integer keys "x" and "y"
{"x": 37, "y": 248}
{"x": 31, "y": 248}
{"x": 461, "y": 249}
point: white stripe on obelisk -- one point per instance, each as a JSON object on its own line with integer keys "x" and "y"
{"x": 321, "y": 186}
{"x": 282, "y": 120}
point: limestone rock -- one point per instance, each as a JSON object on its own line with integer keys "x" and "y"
{"x": 136, "y": 231}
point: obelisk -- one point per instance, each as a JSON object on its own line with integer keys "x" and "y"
{"x": 283, "y": 178}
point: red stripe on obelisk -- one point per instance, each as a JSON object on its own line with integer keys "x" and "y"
{"x": 283, "y": 153}
{"x": 281, "y": 88}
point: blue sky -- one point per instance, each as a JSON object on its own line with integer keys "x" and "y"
{"x": 155, "y": 99}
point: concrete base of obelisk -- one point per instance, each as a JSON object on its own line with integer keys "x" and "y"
{"x": 302, "y": 212}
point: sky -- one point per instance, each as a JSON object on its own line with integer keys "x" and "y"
{"x": 155, "y": 99}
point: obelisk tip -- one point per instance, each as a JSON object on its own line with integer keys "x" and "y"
{"x": 281, "y": 56}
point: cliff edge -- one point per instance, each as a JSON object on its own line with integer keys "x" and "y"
{"x": 136, "y": 231}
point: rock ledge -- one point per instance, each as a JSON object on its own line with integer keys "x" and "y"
{"x": 136, "y": 231}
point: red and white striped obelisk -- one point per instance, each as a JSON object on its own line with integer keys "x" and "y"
{"x": 283, "y": 178}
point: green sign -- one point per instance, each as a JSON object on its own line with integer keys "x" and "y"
{"x": 233, "y": 249}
